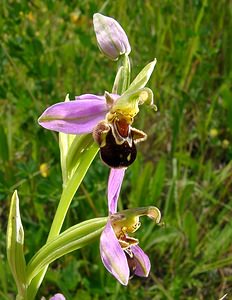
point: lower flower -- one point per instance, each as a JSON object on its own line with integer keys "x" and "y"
{"x": 120, "y": 253}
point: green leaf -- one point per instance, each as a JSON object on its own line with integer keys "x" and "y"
{"x": 15, "y": 242}
{"x": 172, "y": 198}
{"x": 78, "y": 146}
{"x": 190, "y": 228}
{"x": 3, "y": 276}
{"x": 4, "y": 151}
{"x": 142, "y": 78}
{"x": 72, "y": 239}
{"x": 165, "y": 235}
{"x": 227, "y": 96}
{"x": 157, "y": 182}
{"x": 219, "y": 264}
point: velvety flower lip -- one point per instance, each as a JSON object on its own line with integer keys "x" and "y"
{"x": 111, "y": 38}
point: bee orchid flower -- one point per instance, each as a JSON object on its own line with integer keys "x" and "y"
{"x": 108, "y": 117}
{"x": 120, "y": 253}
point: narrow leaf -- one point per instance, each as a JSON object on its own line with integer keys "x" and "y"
{"x": 219, "y": 264}
{"x": 15, "y": 242}
{"x": 74, "y": 154}
{"x": 4, "y": 151}
{"x": 157, "y": 182}
{"x": 190, "y": 228}
{"x": 72, "y": 239}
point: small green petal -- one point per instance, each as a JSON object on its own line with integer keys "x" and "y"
{"x": 142, "y": 78}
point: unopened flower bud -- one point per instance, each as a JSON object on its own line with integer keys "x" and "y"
{"x": 112, "y": 39}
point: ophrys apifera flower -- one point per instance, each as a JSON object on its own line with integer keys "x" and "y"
{"x": 120, "y": 253}
{"x": 108, "y": 117}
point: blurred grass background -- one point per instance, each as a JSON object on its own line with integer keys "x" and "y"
{"x": 48, "y": 49}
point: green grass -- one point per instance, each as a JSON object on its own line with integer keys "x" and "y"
{"x": 45, "y": 54}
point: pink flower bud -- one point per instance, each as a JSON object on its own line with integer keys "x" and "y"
{"x": 112, "y": 39}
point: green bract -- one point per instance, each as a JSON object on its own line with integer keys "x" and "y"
{"x": 15, "y": 243}
{"x": 142, "y": 78}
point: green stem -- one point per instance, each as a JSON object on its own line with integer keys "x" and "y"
{"x": 70, "y": 190}
{"x": 122, "y": 79}
{"x": 126, "y": 73}
{"x": 65, "y": 201}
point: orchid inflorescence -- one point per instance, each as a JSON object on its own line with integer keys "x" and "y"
{"x": 87, "y": 124}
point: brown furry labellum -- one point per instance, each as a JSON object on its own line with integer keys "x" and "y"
{"x": 117, "y": 142}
